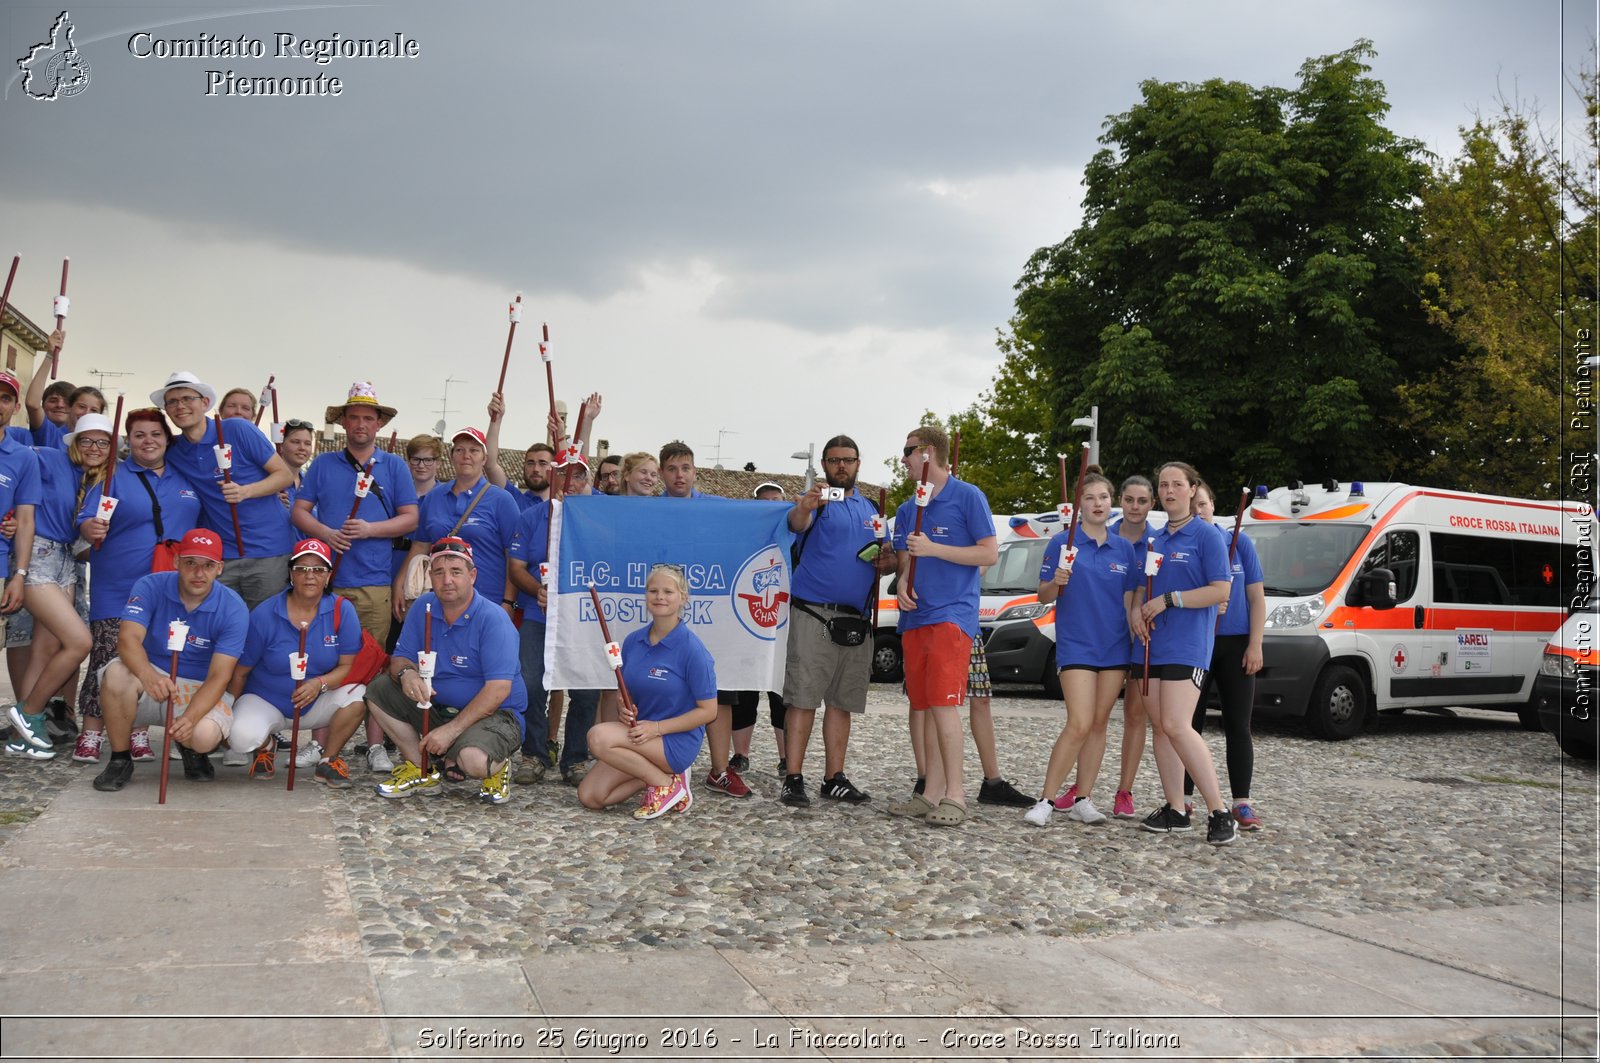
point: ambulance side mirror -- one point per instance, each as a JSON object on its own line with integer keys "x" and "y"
{"x": 1375, "y": 588}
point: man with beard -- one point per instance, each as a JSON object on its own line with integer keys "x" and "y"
{"x": 364, "y": 542}
{"x": 835, "y": 577}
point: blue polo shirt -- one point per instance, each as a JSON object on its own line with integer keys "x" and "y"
{"x": 330, "y": 486}
{"x": 488, "y": 529}
{"x": 529, "y": 544}
{"x": 273, "y": 636}
{"x": 1191, "y": 558}
{"x": 1246, "y": 570}
{"x": 19, "y": 484}
{"x": 829, "y": 570}
{"x": 480, "y": 646}
{"x": 53, "y": 517}
{"x": 130, "y": 540}
{"x": 1140, "y": 545}
{"x": 947, "y": 593}
{"x": 49, "y": 434}
{"x": 1091, "y": 614}
{"x": 220, "y": 625}
{"x": 263, "y": 521}
{"x": 667, "y": 680}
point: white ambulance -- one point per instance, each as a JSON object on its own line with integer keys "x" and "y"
{"x": 1385, "y": 596}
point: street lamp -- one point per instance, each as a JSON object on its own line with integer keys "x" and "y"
{"x": 1092, "y": 423}
{"x": 808, "y": 456}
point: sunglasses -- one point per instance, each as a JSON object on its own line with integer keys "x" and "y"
{"x": 451, "y": 546}
{"x": 906, "y": 453}
{"x": 294, "y": 424}
{"x": 306, "y": 570}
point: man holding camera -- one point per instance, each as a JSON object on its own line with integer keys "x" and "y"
{"x": 839, "y": 556}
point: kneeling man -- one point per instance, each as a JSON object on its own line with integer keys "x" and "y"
{"x": 478, "y": 699}
{"x": 135, "y": 686}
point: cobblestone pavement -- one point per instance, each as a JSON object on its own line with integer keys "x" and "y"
{"x": 1428, "y": 812}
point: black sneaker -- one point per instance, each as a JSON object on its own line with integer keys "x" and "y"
{"x": 839, "y": 788}
{"x": 739, "y": 763}
{"x": 116, "y": 775}
{"x": 783, "y": 767}
{"x": 1220, "y": 828}
{"x": 196, "y": 765}
{"x": 1001, "y": 792}
{"x": 1165, "y": 820}
{"x": 794, "y": 792}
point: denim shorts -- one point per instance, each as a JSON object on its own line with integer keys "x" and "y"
{"x": 52, "y": 564}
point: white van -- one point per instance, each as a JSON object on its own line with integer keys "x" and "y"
{"x": 1385, "y": 596}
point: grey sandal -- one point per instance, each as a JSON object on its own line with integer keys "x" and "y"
{"x": 948, "y": 814}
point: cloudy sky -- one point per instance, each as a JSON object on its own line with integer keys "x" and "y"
{"x": 749, "y": 225}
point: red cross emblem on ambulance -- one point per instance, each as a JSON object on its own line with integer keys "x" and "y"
{"x": 1400, "y": 658}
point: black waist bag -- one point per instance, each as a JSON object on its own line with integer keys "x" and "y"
{"x": 844, "y": 630}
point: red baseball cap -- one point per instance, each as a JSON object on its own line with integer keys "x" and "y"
{"x": 313, "y": 547}
{"x": 8, "y": 379}
{"x": 472, "y": 434}
{"x": 201, "y": 542}
{"x": 451, "y": 544}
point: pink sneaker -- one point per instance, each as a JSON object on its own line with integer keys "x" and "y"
{"x": 688, "y": 795}
{"x": 659, "y": 800}
{"x": 1068, "y": 799}
{"x": 139, "y": 746}
{"x": 87, "y": 749}
{"x": 1122, "y": 807}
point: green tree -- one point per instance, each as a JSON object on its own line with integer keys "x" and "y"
{"x": 1004, "y": 438}
{"x": 1242, "y": 293}
{"x": 1508, "y": 245}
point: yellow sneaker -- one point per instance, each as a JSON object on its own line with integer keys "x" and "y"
{"x": 407, "y": 780}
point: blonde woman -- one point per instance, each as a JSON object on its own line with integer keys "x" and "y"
{"x": 673, "y": 682}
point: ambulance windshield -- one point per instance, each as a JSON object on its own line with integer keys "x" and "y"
{"x": 1303, "y": 557}
{"x": 1017, "y": 569}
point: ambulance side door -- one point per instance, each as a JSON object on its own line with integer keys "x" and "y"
{"x": 1398, "y": 640}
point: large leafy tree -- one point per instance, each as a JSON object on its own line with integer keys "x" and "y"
{"x": 1243, "y": 292}
{"x": 1509, "y": 230}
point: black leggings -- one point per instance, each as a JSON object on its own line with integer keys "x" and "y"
{"x": 1238, "y": 694}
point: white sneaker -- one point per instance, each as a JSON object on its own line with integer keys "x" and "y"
{"x": 1085, "y": 812}
{"x": 378, "y": 761}
{"x": 1039, "y": 814}
{"x": 310, "y": 755}
{"x": 234, "y": 759}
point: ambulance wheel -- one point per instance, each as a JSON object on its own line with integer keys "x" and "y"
{"x": 1338, "y": 708}
{"x": 887, "y": 666}
{"x": 1528, "y": 717}
{"x": 1052, "y": 679}
{"x": 1575, "y": 745}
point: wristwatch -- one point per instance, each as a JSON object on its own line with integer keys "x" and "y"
{"x": 20, "y": 572}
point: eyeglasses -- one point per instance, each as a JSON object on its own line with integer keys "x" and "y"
{"x": 93, "y": 444}
{"x": 173, "y": 401}
{"x": 835, "y": 462}
{"x": 906, "y": 453}
{"x": 306, "y": 570}
{"x": 294, "y": 424}
{"x": 420, "y": 460}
